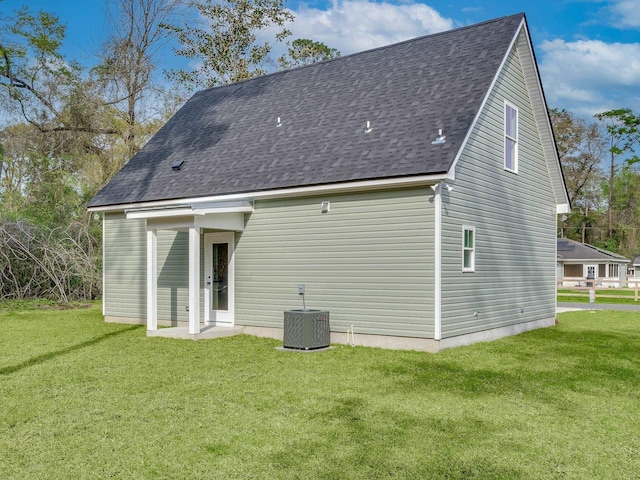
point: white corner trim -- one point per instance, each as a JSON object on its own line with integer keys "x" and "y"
{"x": 437, "y": 293}
{"x": 152, "y": 280}
{"x": 344, "y": 187}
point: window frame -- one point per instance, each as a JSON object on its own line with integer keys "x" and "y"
{"x": 510, "y": 138}
{"x": 472, "y": 249}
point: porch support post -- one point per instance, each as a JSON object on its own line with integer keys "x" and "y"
{"x": 152, "y": 279}
{"x": 194, "y": 280}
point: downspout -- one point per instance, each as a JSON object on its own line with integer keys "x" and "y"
{"x": 437, "y": 290}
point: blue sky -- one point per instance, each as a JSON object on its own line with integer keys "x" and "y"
{"x": 588, "y": 51}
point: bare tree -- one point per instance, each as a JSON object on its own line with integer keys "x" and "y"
{"x": 129, "y": 60}
{"x": 580, "y": 149}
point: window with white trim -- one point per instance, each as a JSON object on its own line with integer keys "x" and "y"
{"x": 510, "y": 137}
{"x": 468, "y": 248}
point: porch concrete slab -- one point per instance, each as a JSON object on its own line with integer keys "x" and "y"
{"x": 206, "y": 332}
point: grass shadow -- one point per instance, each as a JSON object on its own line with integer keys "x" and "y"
{"x": 51, "y": 355}
{"x": 540, "y": 365}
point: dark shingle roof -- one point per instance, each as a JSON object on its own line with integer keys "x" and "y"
{"x": 571, "y": 250}
{"x": 228, "y": 139}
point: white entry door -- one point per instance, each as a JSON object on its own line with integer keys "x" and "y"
{"x": 591, "y": 271}
{"x": 219, "y": 278}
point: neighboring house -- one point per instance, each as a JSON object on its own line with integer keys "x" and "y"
{"x": 634, "y": 270}
{"x": 395, "y": 184}
{"x": 577, "y": 261}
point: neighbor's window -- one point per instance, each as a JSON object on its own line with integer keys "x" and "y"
{"x": 468, "y": 249}
{"x": 510, "y": 137}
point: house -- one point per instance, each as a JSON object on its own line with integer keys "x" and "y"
{"x": 577, "y": 261}
{"x": 394, "y": 184}
{"x": 634, "y": 269}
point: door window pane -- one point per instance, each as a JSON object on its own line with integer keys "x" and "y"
{"x": 220, "y": 281}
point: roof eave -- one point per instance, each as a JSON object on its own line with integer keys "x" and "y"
{"x": 302, "y": 191}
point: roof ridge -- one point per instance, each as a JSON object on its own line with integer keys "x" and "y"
{"x": 363, "y": 52}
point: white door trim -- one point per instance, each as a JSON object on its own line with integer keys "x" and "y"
{"x": 595, "y": 270}
{"x": 219, "y": 317}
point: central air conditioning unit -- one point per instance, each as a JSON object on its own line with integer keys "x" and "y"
{"x": 306, "y": 329}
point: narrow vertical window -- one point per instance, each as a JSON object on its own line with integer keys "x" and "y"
{"x": 510, "y": 137}
{"x": 468, "y": 249}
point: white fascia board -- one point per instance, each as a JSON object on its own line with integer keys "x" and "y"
{"x": 563, "y": 208}
{"x": 206, "y": 211}
{"x": 186, "y": 211}
{"x": 598, "y": 261}
{"x": 159, "y": 213}
{"x": 345, "y": 187}
{"x": 541, "y": 112}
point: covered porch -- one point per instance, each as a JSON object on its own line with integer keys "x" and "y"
{"x": 215, "y": 225}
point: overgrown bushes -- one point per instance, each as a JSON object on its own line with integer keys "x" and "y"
{"x": 61, "y": 264}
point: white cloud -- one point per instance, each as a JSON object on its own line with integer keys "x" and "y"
{"x": 590, "y": 76}
{"x": 627, "y": 13}
{"x": 356, "y": 25}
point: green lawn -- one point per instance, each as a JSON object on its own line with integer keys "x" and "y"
{"x": 83, "y": 399}
{"x": 599, "y": 299}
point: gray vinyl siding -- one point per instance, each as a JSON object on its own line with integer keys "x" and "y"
{"x": 369, "y": 261}
{"x": 125, "y": 267}
{"x": 514, "y": 219}
{"x": 125, "y": 292}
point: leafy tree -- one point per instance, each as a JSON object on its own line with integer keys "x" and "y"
{"x": 623, "y": 129}
{"x": 580, "y": 149}
{"x": 43, "y": 87}
{"x": 72, "y": 131}
{"x": 626, "y": 210}
{"x": 303, "y": 51}
{"x": 227, "y": 48}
